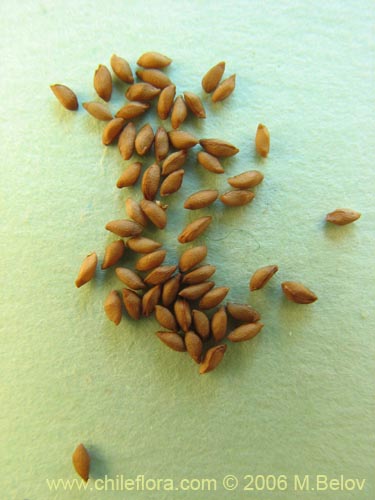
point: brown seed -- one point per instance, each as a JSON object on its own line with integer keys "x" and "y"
{"x": 113, "y": 253}
{"x": 198, "y": 275}
{"x": 219, "y": 323}
{"x": 141, "y": 92}
{"x": 155, "y": 77}
{"x": 182, "y": 313}
{"x": 243, "y": 312}
{"x": 161, "y": 144}
{"x": 246, "y": 180}
{"x": 165, "y": 101}
{"x": 132, "y": 110}
{"x": 262, "y": 140}
{"x": 218, "y": 147}
{"x": 150, "y": 299}
{"x": 126, "y": 141}
{"x": 87, "y": 269}
{"x": 182, "y": 140}
{"x": 174, "y": 162}
{"x": 124, "y": 227}
{"x": 213, "y": 76}
{"x": 212, "y": 358}
{"x": 132, "y": 303}
{"x": 112, "y": 130}
{"x": 150, "y": 260}
{"x": 103, "y": 82}
{"x": 81, "y": 462}
{"x": 201, "y": 324}
{"x": 225, "y": 89}
{"x": 98, "y": 110}
{"x": 130, "y": 176}
{"x": 195, "y": 292}
{"x": 160, "y": 275}
{"x": 135, "y": 212}
{"x": 201, "y": 199}
{"x": 155, "y": 213}
{"x": 121, "y": 69}
{"x": 213, "y": 297}
{"x": 195, "y": 105}
{"x": 150, "y": 181}
{"x": 194, "y": 229}
{"x": 165, "y": 318}
{"x": 237, "y": 198}
{"x": 209, "y": 162}
{"x": 245, "y": 332}
{"x": 192, "y": 257}
{"x": 170, "y": 290}
{"x": 144, "y": 139}
{"x": 342, "y": 216}
{"x": 66, "y": 96}
{"x": 153, "y": 60}
{"x": 172, "y": 340}
{"x": 194, "y": 345}
{"x": 296, "y": 292}
{"x": 140, "y": 244}
{"x": 179, "y": 112}
{"x": 130, "y": 278}
{"x": 112, "y": 307}
{"x": 262, "y": 276}
{"x": 172, "y": 183}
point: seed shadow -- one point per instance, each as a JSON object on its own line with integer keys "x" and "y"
{"x": 334, "y": 232}
{"x": 99, "y": 464}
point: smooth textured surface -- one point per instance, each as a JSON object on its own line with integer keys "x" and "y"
{"x": 298, "y": 399}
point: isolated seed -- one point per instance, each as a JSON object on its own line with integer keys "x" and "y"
{"x": 112, "y": 307}
{"x": 141, "y": 92}
{"x": 243, "y": 312}
{"x": 165, "y": 101}
{"x": 126, "y": 141}
{"x": 182, "y": 140}
{"x": 170, "y": 290}
{"x": 112, "y": 130}
{"x": 132, "y": 303}
{"x": 113, "y": 253}
{"x": 165, "y": 318}
{"x": 342, "y": 216}
{"x": 219, "y": 323}
{"x": 195, "y": 292}
{"x": 245, "y": 332}
{"x": 150, "y": 181}
{"x": 81, "y": 462}
{"x": 161, "y": 144}
{"x": 130, "y": 176}
{"x": 209, "y": 162}
{"x": 140, "y": 244}
{"x": 132, "y": 110}
{"x": 174, "y": 162}
{"x": 201, "y": 199}
{"x": 155, "y": 213}
{"x": 179, "y": 112}
{"x": 225, "y": 89}
{"x": 155, "y": 77}
{"x": 182, "y": 313}
{"x": 198, "y": 275}
{"x": 201, "y": 324}
{"x": 87, "y": 269}
{"x": 154, "y": 60}
{"x": 262, "y": 276}
{"x": 130, "y": 278}
{"x": 194, "y": 345}
{"x": 213, "y": 297}
{"x": 124, "y": 227}
{"x": 121, "y": 69}
{"x": 192, "y": 257}
{"x": 218, "y": 147}
{"x": 160, "y": 275}
{"x": 151, "y": 260}
{"x": 213, "y": 76}
{"x": 172, "y": 340}
{"x": 195, "y": 105}
{"x": 246, "y": 180}
{"x": 237, "y": 198}
{"x": 262, "y": 140}
{"x": 66, "y": 96}
{"x": 103, "y": 82}
{"x": 144, "y": 139}
{"x": 296, "y": 292}
{"x": 212, "y": 358}
{"x": 150, "y": 299}
{"x": 172, "y": 183}
{"x": 194, "y": 229}
{"x": 135, "y": 212}
{"x": 98, "y": 110}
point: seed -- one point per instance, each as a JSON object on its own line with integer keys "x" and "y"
{"x": 165, "y": 318}
{"x": 243, "y": 312}
{"x": 144, "y": 139}
{"x": 296, "y": 292}
{"x": 237, "y": 198}
{"x": 213, "y": 297}
{"x": 195, "y": 105}
{"x": 112, "y": 130}
{"x": 194, "y": 345}
{"x": 132, "y": 110}
{"x": 154, "y": 60}
{"x": 98, "y": 110}
{"x": 141, "y": 92}
{"x": 150, "y": 181}
{"x": 172, "y": 183}
{"x": 112, "y": 307}
{"x": 262, "y": 140}
{"x": 200, "y": 274}
{"x": 195, "y": 292}
{"x": 182, "y": 313}
{"x": 155, "y": 213}
{"x": 192, "y": 257}
{"x": 129, "y": 278}
{"x": 218, "y": 147}
{"x": 103, "y": 82}
{"x": 155, "y": 77}
{"x": 121, "y": 69}
{"x": 212, "y": 358}
{"x": 182, "y": 140}
{"x": 161, "y": 144}
{"x": 213, "y": 76}
{"x": 132, "y": 303}
{"x": 210, "y": 162}
{"x": 130, "y": 176}
{"x": 124, "y": 227}
{"x": 194, "y": 229}
{"x": 134, "y": 211}
{"x": 170, "y": 290}
{"x": 262, "y": 276}
{"x": 165, "y": 101}
{"x": 140, "y": 244}
{"x": 150, "y": 260}
{"x": 126, "y": 141}
{"x": 179, "y": 112}
{"x": 174, "y": 162}
{"x": 219, "y": 323}
{"x": 150, "y": 299}
{"x": 87, "y": 269}
{"x": 246, "y": 180}
{"x": 201, "y": 199}
{"x": 81, "y": 462}
{"x": 201, "y": 324}
{"x": 224, "y": 90}
{"x": 342, "y": 216}
{"x": 113, "y": 253}
{"x": 172, "y": 340}
{"x": 160, "y": 275}
{"x": 245, "y": 332}
{"x": 66, "y": 96}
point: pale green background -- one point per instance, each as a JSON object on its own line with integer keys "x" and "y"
{"x": 299, "y": 399}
